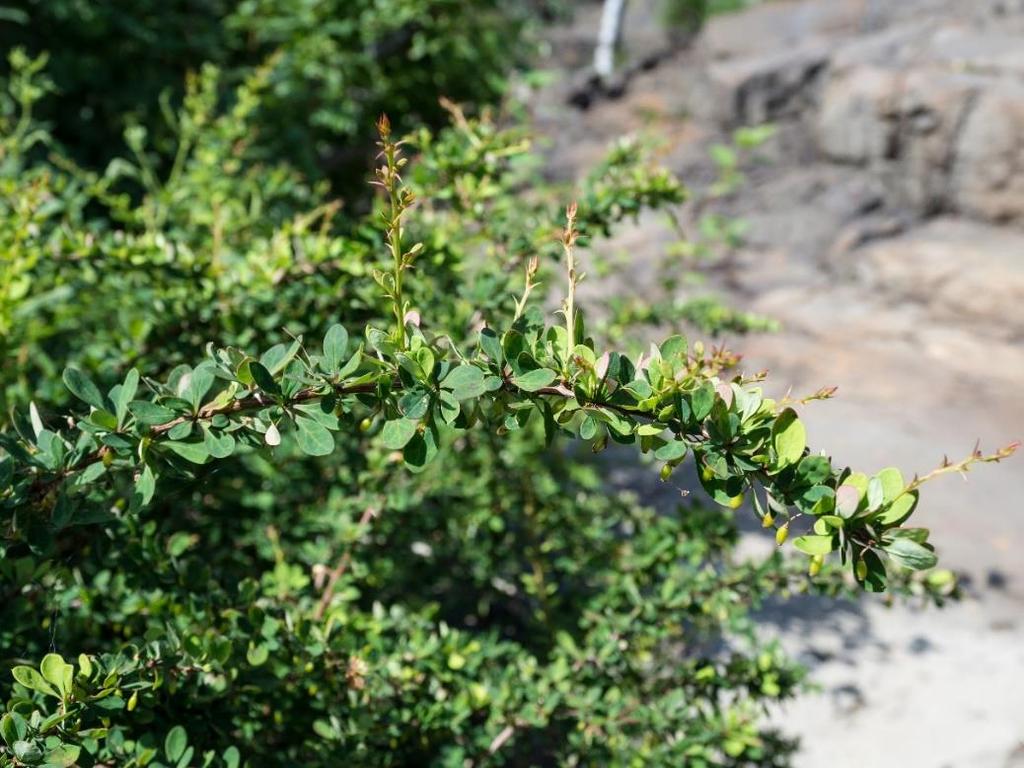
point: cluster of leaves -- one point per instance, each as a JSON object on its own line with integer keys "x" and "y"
{"x": 213, "y": 556}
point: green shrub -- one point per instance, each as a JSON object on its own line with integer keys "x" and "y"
{"x": 285, "y": 484}
{"x": 337, "y": 65}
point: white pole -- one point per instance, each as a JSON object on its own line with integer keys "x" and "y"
{"x": 608, "y": 38}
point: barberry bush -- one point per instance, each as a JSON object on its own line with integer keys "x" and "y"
{"x": 285, "y": 482}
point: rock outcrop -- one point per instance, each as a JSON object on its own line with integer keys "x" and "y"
{"x": 934, "y": 105}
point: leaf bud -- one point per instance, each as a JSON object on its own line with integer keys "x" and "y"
{"x": 782, "y": 534}
{"x": 861, "y": 569}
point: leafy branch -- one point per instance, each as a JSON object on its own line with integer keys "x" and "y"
{"x": 418, "y": 391}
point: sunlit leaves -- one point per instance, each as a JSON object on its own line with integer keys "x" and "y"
{"x": 537, "y": 379}
{"x": 424, "y": 394}
{"x": 789, "y": 438}
{"x": 31, "y": 679}
{"x": 58, "y": 673}
{"x": 814, "y": 545}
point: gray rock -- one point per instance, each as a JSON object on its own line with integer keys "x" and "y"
{"x": 987, "y": 174}
{"x": 964, "y": 272}
{"x": 758, "y": 89}
{"x": 854, "y": 122}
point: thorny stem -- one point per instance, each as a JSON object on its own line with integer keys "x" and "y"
{"x": 569, "y": 236}
{"x": 964, "y": 465}
{"x": 397, "y": 199}
{"x": 531, "y": 271}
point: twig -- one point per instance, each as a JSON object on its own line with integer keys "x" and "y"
{"x": 339, "y": 570}
{"x": 964, "y": 465}
{"x": 501, "y": 738}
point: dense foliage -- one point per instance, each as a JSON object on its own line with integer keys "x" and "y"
{"x": 284, "y": 483}
{"x": 338, "y": 64}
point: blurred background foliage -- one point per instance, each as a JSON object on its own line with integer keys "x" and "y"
{"x": 173, "y": 174}
{"x": 340, "y": 63}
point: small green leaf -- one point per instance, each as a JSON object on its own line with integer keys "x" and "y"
{"x": 220, "y": 445}
{"x": 186, "y": 759}
{"x": 31, "y": 679}
{"x": 353, "y": 363}
{"x": 465, "y": 382}
{"x": 175, "y": 743}
{"x": 671, "y": 451}
{"x": 818, "y": 499}
{"x": 13, "y": 727}
{"x": 313, "y": 437}
{"x": 813, "y": 545}
{"x": 197, "y": 384}
{"x": 81, "y": 386}
{"x": 145, "y": 485}
{"x": 324, "y": 730}
{"x": 415, "y": 403}
{"x": 335, "y": 345}
{"x": 702, "y": 400}
{"x": 910, "y": 554}
{"x": 673, "y": 346}
{"x": 727, "y": 492}
{"x": 149, "y": 413}
{"x": 65, "y": 755}
{"x": 531, "y": 381}
{"x": 257, "y": 654}
{"x": 180, "y": 431}
{"x": 231, "y": 757}
{"x": 892, "y": 483}
{"x": 122, "y": 394}
{"x": 103, "y": 419}
{"x": 264, "y": 380}
{"x": 27, "y": 752}
{"x": 196, "y": 453}
{"x": 278, "y": 356}
{"x": 37, "y": 422}
{"x": 491, "y": 345}
{"x": 449, "y": 405}
{"x": 814, "y": 470}
{"x": 420, "y": 450}
{"x": 876, "y": 494}
{"x": 57, "y": 672}
{"x": 397, "y": 433}
{"x": 789, "y": 438}
{"x": 899, "y": 510}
